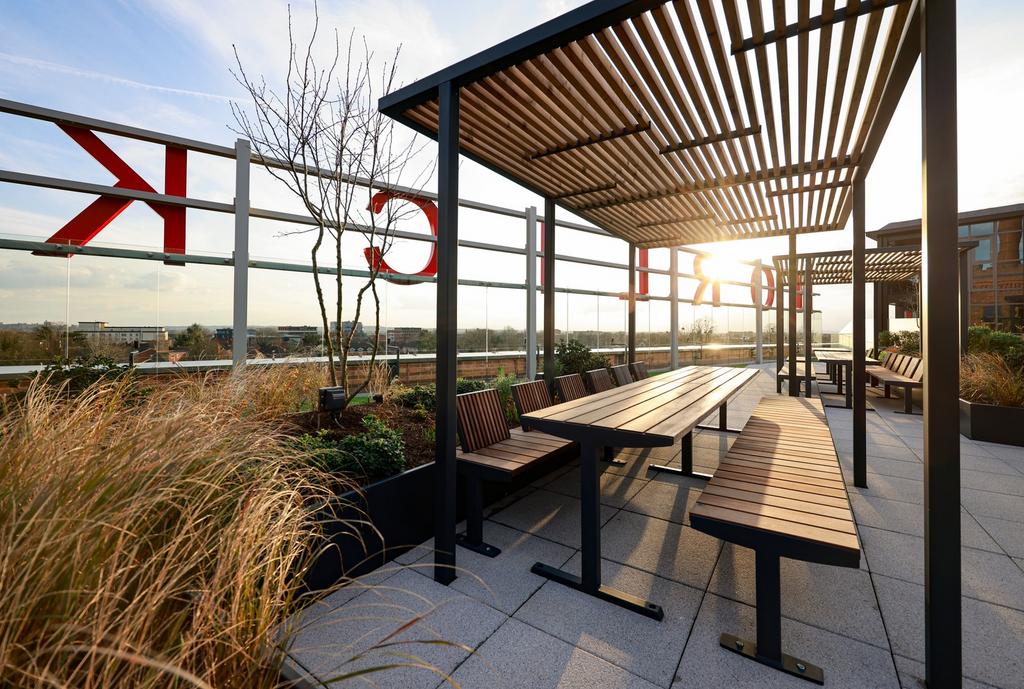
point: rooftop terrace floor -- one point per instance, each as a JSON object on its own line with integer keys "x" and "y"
{"x": 864, "y": 626}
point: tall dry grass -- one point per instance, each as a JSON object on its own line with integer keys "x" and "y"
{"x": 152, "y": 543}
{"x": 987, "y": 378}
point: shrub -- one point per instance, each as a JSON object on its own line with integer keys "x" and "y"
{"x": 75, "y": 375}
{"x": 426, "y": 395}
{"x": 907, "y": 341}
{"x": 575, "y": 357}
{"x": 375, "y": 454}
{"x": 986, "y": 378}
{"x": 1010, "y": 347}
{"x": 503, "y": 384}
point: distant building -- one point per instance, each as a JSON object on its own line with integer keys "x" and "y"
{"x": 404, "y": 339}
{"x": 101, "y": 332}
{"x": 226, "y": 335}
{"x": 297, "y": 333}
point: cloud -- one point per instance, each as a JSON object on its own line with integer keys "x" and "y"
{"x": 33, "y": 63}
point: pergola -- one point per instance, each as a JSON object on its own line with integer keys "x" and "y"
{"x": 674, "y": 123}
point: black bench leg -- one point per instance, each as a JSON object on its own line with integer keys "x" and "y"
{"x": 768, "y": 647}
{"x": 908, "y": 403}
{"x": 473, "y": 538}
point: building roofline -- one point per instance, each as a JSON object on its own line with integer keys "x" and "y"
{"x": 965, "y": 218}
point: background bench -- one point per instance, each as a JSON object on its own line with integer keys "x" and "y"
{"x": 779, "y": 490}
{"x": 901, "y": 371}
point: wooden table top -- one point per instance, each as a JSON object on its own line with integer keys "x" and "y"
{"x": 833, "y": 355}
{"x": 654, "y": 412}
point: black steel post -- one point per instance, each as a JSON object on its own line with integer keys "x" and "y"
{"x": 447, "y": 323}
{"x": 794, "y": 380}
{"x": 858, "y": 378}
{"x": 631, "y": 322}
{"x": 940, "y": 326}
{"x": 808, "y": 313}
{"x": 780, "y": 322}
{"x": 549, "y": 293}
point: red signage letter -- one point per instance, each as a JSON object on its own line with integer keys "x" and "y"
{"x": 770, "y": 276}
{"x": 103, "y": 210}
{"x": 375, "y": 259}
{"x": 716, "y": 288}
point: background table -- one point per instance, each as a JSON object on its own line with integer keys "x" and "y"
{"x": 839, "y": 362}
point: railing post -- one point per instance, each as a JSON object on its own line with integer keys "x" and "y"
{"x": 531, "y": 293}
{"x": 808, "y": 315}
{"x": 631, "y": 313}
{"x": 794, "y": 381}
{"x": 549, "y": 293}
{"x": 758, "y": 314}
{"x": 780, "y": 323}
{"x": 673, "y": 300}
{"x": 240, "y": 257}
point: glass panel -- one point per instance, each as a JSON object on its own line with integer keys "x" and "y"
{"x": 981, "y": 229}
{"x": 964, "y": 231}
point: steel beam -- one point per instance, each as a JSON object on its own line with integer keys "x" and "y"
{"x": 794, "y": 381}
{"x": 858, "y": 378}
{"x": 780, "y": 323}
{"x": 631, "y": 318}
{"x": 240, "y": 257}
{"x": 808, "y": 313}
{"x": 939, "y": 227}
{"x": 531, "y": 293}
{"x": 549, "y": 293}
{"x": 447, "y": 333}
{"x": 673, "y": 303}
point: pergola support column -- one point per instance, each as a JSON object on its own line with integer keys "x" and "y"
{"x": 794, "y": 380}
{"x": 631, "y": 320}
{"x": 673, "y": 302}
{"x": 531, "y": 293}
{"x": 808, "y": 313}
{"x": 940, "y": 324}
{"x": 549, "y": 293}
{"x": 758, "y": 315}
{"x": 780, "y": 321}
{"x": 447, "y": 323}
{"x": 857, "y": 379}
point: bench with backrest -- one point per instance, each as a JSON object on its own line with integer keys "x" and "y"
{"x": 783, "y": 374}
{"x": 529, "y": 397}
{"x": 639, "y": 370}
{"x": 598, "y": 380}
{"x": 570, "y": 387}
{"x": 490, "y": 451}
{"x": 622, "y": 375}
{"x": 780, "y": 491}
{"x": 901, "y": 371}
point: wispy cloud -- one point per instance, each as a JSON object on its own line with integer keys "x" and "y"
{"x": 33, "y": 63}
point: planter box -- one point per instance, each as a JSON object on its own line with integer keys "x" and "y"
{"x": 992, "y": 423}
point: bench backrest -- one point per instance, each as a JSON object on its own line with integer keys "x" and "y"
{"x": 904, "y": 367}
{"x": 529, "y": 397}
{"x": 622, "y": 374}
{"x": 915, "y": 370}
{"x": 598, "y": 380}
{"x": 570, "y": 387}
{"x": 481, "y": 419}
{"x": 893, "y": 360}
{"x": 639, "y": 370}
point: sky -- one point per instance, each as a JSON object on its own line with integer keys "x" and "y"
{"x": 166, "y": 65}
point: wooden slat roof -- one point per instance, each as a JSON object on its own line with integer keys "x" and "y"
{"x": 881, "y": 264}
{"x": 669, "y": 123}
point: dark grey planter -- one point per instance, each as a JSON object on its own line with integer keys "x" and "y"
{"x": 992, "y": 423}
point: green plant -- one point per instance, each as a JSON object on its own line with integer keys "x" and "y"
{"x": 986, "y": 378}
{"x": 907, "y": 341}
{"x": 75, "y": 375}
{"x": 426, "y": 396}
{"x": 573, "y": 356}
{"x": 981, "y": 339}
{"x": 374, "y": 454}
{"x": 503, "y": 384}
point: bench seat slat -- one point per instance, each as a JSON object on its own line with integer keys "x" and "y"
{"x": 797, "y": 517}
{"x": 768, "y": 481}
{"x": 824, "y": 537}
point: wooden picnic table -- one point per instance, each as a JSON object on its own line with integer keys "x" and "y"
{"x": 655, "y": 412}
{"x": 839, "y": 361}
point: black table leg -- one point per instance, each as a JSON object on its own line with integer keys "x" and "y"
{"x": 768, "y": 647}
{"x": 685, "y": 467}
{"x": 723, "y": 421}
{"x": 608, "y": 456}
{"x": 589, "y": 580}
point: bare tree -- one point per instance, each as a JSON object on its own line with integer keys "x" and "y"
{"x": 321, "y": 135}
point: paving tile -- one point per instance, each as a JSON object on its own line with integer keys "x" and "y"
{"x": 519, "y": 656}
{"x": 554, "y": 474}
{"x": 839, "y": 599}
{"x": 912, "y": 673}
{"x": 893, "y": 488}
{"x": 667, "y": 497}
{"x": 616, "y": 489}
{"x": 505, "y": 582}
{"x": 846, "y": 662}
{"x": 882, "y": 466}
{"x": 550, "y": 515}
{"x": 645, "y": 647}
{"x": 1009, "y": 535}
{"x": 670, "y": 550}
{"x": 993, "y": 636}
{"x": 1006, "y": 452}
{"x": 983, "y": 503}
{"x": 987, "y": 463}
{"x": 714, "y": 441}
{"x": 995, "y": 483}
{"x": 908, "y": 518}
{"x": 326, "y": 643}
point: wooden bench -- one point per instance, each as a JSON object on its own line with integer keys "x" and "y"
{"x": 639, "y": 370}
{"x": 783, "y": 374}
{"x": 779, "y": 490}
{"x": 901, "y": 371}
{"x": 529, "y": 397}
{"x": 598, "y": 380}
{"x": 622, "y": 375}
{"x": 570, "y": 387}
{"x": 489, "y": 451}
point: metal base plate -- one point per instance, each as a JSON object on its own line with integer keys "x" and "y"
{"x": 908, "y": 413}
{"x": 482, "y": 548}
{"x": 788, "y": 664}
{"x": 664, "y": 468}
{"x": 709, "y": 427}
{"x": 624, "y": 600}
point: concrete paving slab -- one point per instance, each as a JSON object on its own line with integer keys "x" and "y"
{"x": 908, "y": 518}
{"x": 994, "y": 483}
{"x": 983, "y": 503}
{"x": 505, "y": 582}
{"x": 893, "y": 488}
{"x": 1009, "y": 535}
{"x": 839, "y": 599}
{"x": 847, "y": 663}
{"x": 326, "y": 646}
{"x": 660, "y": 547}
{"x": 667, "y": 497}
{"x": 987, "y": 463}
{"x": 1006, "y": 452}
{"x": 616, "y": 489}
{"x": 912, "y": 469}
{"x": 550, "y": 515}
{"x": 645, "y": 647}
{"x": 519, "y": 656}
{"x": 993, "y": 650}
{"x": 912, "y": 674}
